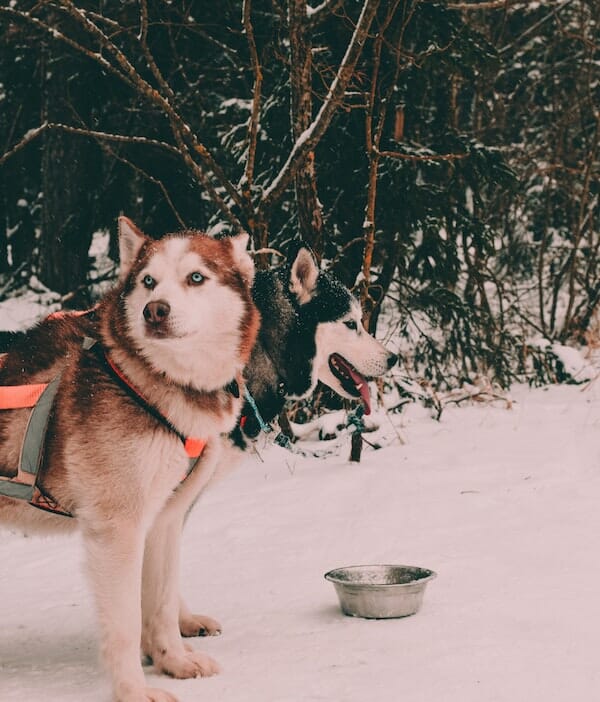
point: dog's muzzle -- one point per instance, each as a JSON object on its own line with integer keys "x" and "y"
{"x": 156, "y": 315}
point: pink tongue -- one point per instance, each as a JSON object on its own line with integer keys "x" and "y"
{"x": 365, "y": 395}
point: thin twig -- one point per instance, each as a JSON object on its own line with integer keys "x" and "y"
{"x": 417, "y": 157}
{"x": 181, "y": 131}
{"x": 31, "y": 135}
{"x": 492, "y": 5}
{"x": 256, "y": 93}
{"x": 535, "y": 27}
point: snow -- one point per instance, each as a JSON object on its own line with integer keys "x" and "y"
{"x": 239, "y": 103}
{"x": 501, "y": 503}
{"x": 20, "y": 312}
{"x": 498, "y": 497}
{"x": 573, "y": 360}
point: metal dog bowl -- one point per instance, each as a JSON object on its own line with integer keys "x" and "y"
{"x": 380, "y": 591}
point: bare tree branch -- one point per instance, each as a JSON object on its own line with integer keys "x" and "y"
{"x": 581, "y": 220}
{"x": 311, "y": 137}
{"x": 256, "y": 94}
{"x": 418, "y": 157}
{"x": 31, "y": 135}
{"x": 310, "y": 218}
{"x": 157, "y": 181}
{"x": 180, "y": 129}
{"x": 23, "y": 16}
{"x": 92, "y": 133}
{"x": 318, "y": 14}
{"x": 103, "y": 138}
{"x": 536, "y": 26}
{"x": 143, "y": 35}
{"x": 373, "y": 136}
{"x": 492, "y": 5}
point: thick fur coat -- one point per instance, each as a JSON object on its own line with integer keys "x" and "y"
{"x": 180, "y": 326}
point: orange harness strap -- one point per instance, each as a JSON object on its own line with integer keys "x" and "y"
{"x": 20, "y": 396}
{"x": 23, "y": 396}
{"x": 194, "y": 446}
{"x": 24, "y": 484}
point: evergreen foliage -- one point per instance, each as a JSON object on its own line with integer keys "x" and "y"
{"x": 456, "y": 184}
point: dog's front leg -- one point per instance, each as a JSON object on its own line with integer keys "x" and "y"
{"x": 225, "y": 460}
{"x": 114, "y": 553}
{"x": 161, "y": 638}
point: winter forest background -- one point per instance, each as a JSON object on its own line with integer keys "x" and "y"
{"x": 442, "y": 157}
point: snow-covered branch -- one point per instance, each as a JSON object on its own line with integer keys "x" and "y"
{"x": 193, "y": 151}
{"x": 311, "y": 136}
{"x": 31, "y": 135}
{"x": 317, "y": 14}
{"x": 492, "y": 5}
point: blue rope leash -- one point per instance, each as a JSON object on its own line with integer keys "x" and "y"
{"x": 280, "y": 439}
{"x": 264, "y": 427}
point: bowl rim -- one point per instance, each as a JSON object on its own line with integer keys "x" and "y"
{"x": 431, "y": 575}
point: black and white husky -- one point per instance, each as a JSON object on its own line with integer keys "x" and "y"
{"x": 311, "y": 331}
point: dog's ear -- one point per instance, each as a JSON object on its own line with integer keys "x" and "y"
{"x": 131, "y": 240}
{"x": 303, "y": 275}
{"x": 239, "y": 245}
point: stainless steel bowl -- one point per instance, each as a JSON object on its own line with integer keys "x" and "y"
{"x": 380, "y": 591}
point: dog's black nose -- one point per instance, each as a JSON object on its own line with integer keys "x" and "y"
{"x": 392, "y": 360}
{"x": 156, "y": 312}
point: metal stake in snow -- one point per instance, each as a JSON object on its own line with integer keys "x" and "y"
{"x": 357, "y": 426}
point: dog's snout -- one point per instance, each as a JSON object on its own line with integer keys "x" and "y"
{"x": 392, "y": 360}
{"x": 156, "y": 312}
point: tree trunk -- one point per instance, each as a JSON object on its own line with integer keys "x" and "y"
{"x": 67, "y": 165}
{"x": 3, "y": 227}
{"x": 310, "y": 219}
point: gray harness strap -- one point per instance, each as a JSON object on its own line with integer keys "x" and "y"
{"x": 35, "y": 434}
{"x": 23, "y": 485}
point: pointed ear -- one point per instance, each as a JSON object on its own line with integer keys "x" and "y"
{"x": 131, "y": 240}
{"x": 303, "y": 275}
{"x": 239, "y": 245}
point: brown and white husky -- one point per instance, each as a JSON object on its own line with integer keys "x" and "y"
{"x": 171, "y": 341}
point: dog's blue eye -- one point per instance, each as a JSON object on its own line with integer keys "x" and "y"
{"x": 148, "y": 282}
{"x": 196, "y": 278}
{"x": 351, "y": 324}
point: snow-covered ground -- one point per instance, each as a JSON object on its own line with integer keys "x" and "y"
{"x": 502, "y": 503}
{"x": 499, "y": 498}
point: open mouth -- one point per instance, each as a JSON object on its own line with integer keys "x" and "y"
{"x": 353, "y": 382}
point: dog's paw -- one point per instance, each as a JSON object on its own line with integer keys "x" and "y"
{"x": 186, "y": 663}
{"x": 199, "y": 625}
{"x": 148, "y": 694}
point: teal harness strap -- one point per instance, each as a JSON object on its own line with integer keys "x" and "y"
{"x": 264, "y": 427}
{"x": 280, "y": 439}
